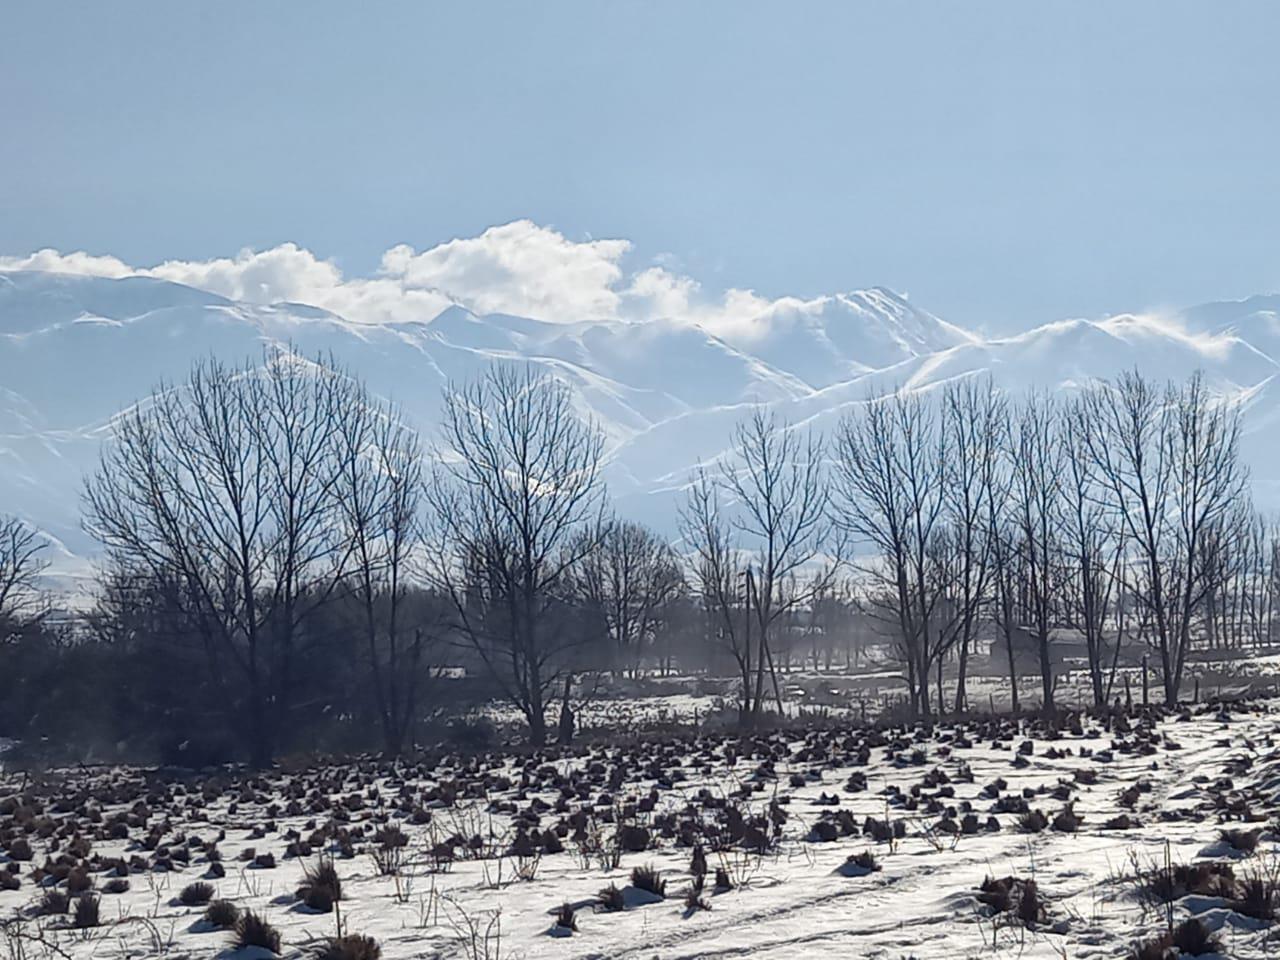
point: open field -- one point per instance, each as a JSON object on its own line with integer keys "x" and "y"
{"x": 461, "y": 856}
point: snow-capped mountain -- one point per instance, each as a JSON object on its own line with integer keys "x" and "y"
{"x": 75, "y": 349}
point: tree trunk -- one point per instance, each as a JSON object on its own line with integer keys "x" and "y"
{"x": 1046, "y": 672}
{"x": 1013, "y": 666}
{"x": 962, "y": 667}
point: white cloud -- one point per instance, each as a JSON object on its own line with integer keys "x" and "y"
{"x": 520, "y": 268}
{"x": 384, "y": 301}
{"x": 658, "y": 292}
{"x": 741, "y": 315}
{"x": 286, "y": 272}
{"x": 85, "y": 264}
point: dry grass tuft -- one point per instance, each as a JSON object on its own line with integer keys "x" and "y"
{"x": 252, "y": 930}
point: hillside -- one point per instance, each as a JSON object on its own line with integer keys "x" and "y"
{"x": 74, "y": 350}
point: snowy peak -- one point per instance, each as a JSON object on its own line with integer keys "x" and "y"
{"x": 31, "y": 301}
{"x": 830, "y": 339}
{"x": 1231, "y": 314}
{"x": 664, "y": 357}
{"x": 666, "y": 391}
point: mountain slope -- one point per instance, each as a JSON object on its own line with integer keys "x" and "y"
{"x": 830, "y": 339}
{"x": 74, "y": 350}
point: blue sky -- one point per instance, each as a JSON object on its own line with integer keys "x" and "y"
{"x": 1003, "y": 163}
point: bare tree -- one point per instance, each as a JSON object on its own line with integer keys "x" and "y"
{"x": 1226, "y": 551}
{"x": 973, "y": 418}
{"x": 1255, "y": 581}
{"x": 517, "y": 483}
{"x": 719, "y": 578}
{"x": 21, "y": 563}
{"x": 1170, "y": 462}
{"x": 1036, "y": 469}
{"x": 1002, "y": 538}
{"x": 1092, "y": 545}
{"x": 631, "y": 574}
{"x": 772, "y": 480}
{"x": 776, "y": 480}
{"x": 379, "y": 494}
{"x": 888, "y": 494}
{"x": 223, "y": 488}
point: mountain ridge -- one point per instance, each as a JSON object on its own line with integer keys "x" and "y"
{"x": 665, "y": 391}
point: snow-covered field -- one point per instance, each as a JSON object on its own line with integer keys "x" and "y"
{"x": 780, "y": 815}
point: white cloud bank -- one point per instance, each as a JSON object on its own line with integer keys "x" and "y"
{"x": 519, "y": 268}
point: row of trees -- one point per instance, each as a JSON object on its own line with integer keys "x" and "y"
{"x": 1119, "y": 514}
{"x": 262, "y": 508}
{"x": 269, "y": 525}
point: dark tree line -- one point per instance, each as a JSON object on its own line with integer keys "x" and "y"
{"x": 286, "y": 564}
{"x": 281, "y": 556}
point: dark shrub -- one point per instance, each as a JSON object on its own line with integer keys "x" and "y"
{"x": 693, "y": 899}
{"x": 1192, "y": 939}
{"x": 196, "y": 894}
{"x": 633, "y": 838}
{"x": 1246, "y": 841}
{"x": 54, "y": 903}
{"x": 389, "y": 850}
{"x": 1188, "y": 939}
{"x": 564, "y": 917}
{"x": 321, "y": 887}
{"x": 86, "y": 912}
{"x": 866, "y": 860}
{"x": 318, "y": 899}
{"x": 1031, "y": 910}
{"x": 1208, "y": 878}
{"x": 20, "y": 850}
{"x": 391, "y": 836}
{"x": 1257, "y": 896}
{"x": 1033, "y": 821}
{"x": 647, "y": 878}
{"x": 611, "y": 898}
{"x": 997, "y": 894}
{"x": 79, "y": 881}
{"x": 252, "y": 930}
{"x": 222, "y": 914}
{"x": 352, "y": 946}
{"x": 1013, "y": 895}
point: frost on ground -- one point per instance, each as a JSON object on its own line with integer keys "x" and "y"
{"x": 1078, "y": 838}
